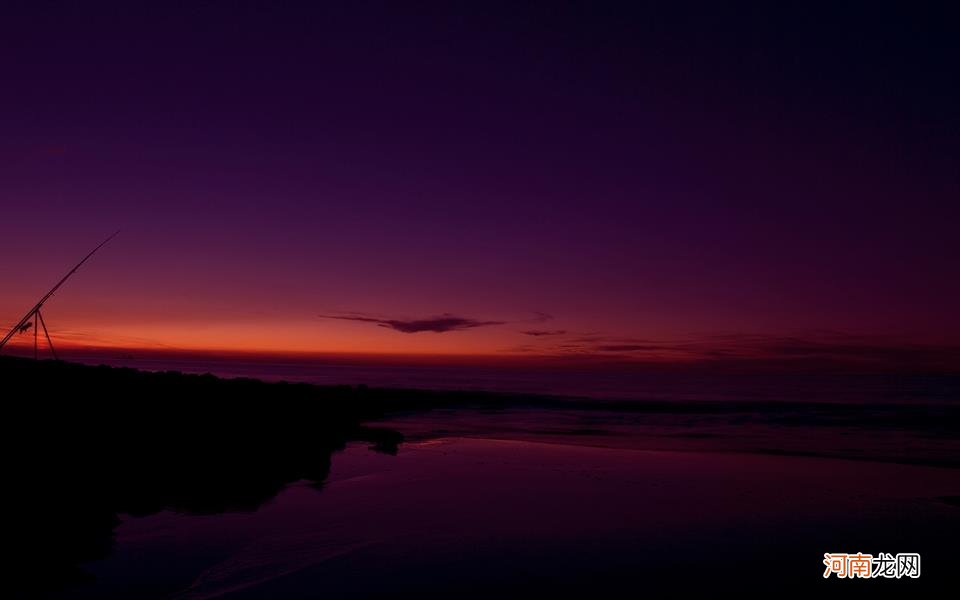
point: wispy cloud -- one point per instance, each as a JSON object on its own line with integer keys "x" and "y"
{"x": 631, "y": 347}
{"x": 818, "y": 349}
{"x": 439, "y": 324}
{"x": 544, "y": 332}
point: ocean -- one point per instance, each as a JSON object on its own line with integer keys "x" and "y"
{"x": 623, "y": 383}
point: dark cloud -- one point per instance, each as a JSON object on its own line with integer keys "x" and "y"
{"x": 440, "y": 324}
{"x": 544, "y": 332}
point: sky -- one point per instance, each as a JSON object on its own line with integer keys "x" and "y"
{"x": 637, "y": 182}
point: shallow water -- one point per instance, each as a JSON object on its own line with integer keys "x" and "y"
{"x": 473, "y": 517}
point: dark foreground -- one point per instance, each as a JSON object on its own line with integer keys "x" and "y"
{"x": 130, "y": 484}
{"x": 85, "y": 444}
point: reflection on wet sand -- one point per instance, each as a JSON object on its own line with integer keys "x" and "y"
{"x": 455, "y": 517}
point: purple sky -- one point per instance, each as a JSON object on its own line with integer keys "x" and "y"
{"x": 391, "y": 178}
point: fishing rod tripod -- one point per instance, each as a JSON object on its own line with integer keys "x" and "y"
{"x": 34, "y": 319}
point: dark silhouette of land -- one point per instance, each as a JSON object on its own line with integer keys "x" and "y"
{"x": 85, "y": 444}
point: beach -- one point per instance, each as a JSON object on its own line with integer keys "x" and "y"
{"x": 456, "y": 517}
{"x": 140, "y": 484}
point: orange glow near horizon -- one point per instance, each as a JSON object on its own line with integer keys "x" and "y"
{"x": 337, "y": 340}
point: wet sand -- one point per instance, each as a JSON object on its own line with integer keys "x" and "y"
{"x": 456, "y": 517}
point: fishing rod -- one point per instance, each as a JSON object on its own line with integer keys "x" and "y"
{"x": 24, "y": 324}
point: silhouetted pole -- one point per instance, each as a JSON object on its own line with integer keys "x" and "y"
{"x": 36, "y": 307}
{"x": 47, "y": 334}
